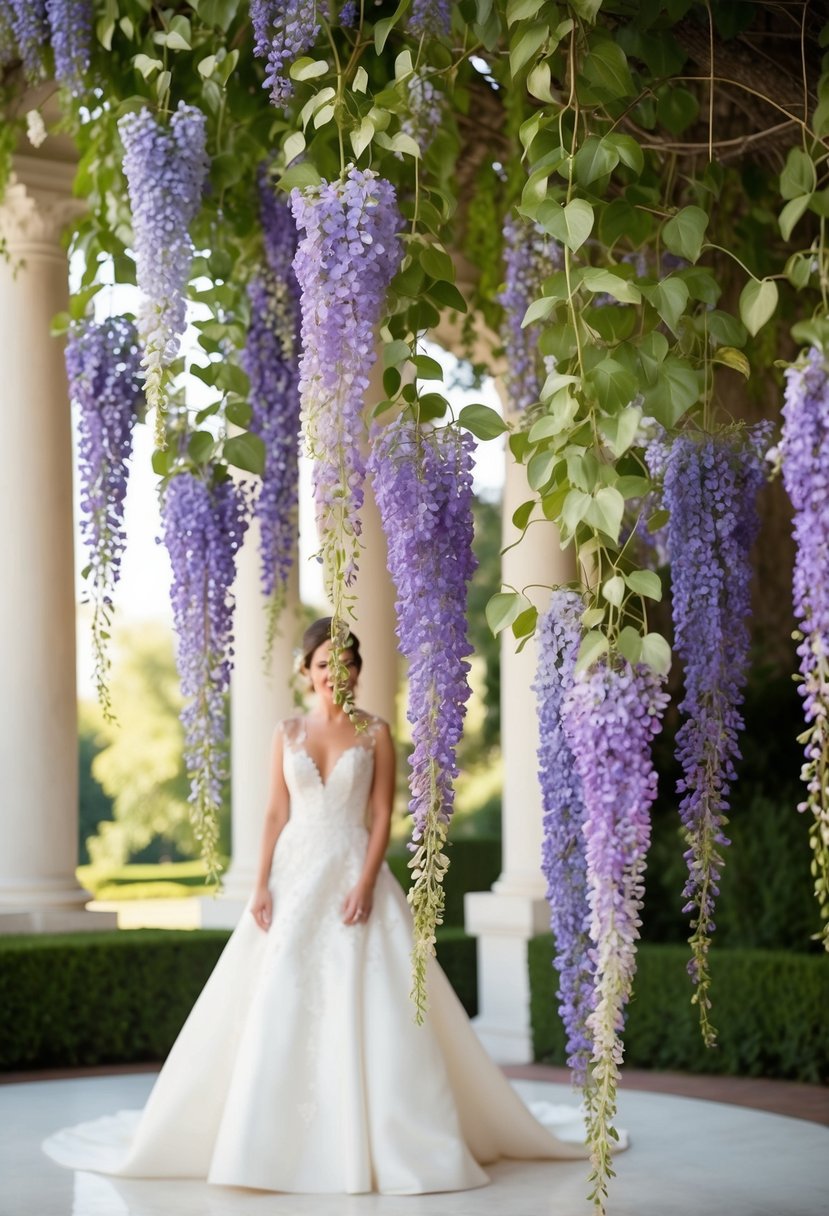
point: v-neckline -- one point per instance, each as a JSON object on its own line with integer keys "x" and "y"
{"x": 324, "y": 781}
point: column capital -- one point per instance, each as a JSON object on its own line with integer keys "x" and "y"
{"x": 37, "y": 206}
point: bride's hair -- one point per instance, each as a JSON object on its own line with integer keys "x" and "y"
{"x": 320, "y": 632}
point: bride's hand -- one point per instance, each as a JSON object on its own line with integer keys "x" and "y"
{"x": 357, "y": 906}
{"x": 261, "y": 907}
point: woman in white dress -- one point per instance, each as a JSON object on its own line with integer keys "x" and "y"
{"x": 301, "y": 1067}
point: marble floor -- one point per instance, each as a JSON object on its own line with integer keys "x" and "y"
{"x": 688, "y": 1158}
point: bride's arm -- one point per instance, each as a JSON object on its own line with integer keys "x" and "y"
{"x": 359, "y": 900}
{"x": 276, "y": 816}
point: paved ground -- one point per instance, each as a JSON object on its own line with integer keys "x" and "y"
{"x": 689, "y": 1156}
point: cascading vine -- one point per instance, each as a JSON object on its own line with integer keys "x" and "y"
{"x": 204, "y": 523}
{"x": 102, "y": 366}
{"x": 283, "y": 30}
{"x": 71, "y": 23}
{"x": 804, "y": 450}
{"x": 345, "y": 260}
{"x": 710, "y": 489}
{"x": 422, "y": 481}
{"x": 166, "y": 170}
{"x": 563, "y": 857}
{"x": 271, "y": 361}
{"x": 610, "y": 716}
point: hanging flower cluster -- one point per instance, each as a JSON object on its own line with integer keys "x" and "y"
{"x": 71, "y": 25}
{"x": 430, "y": 18}
{"x": 282, "y": 30}
{"x": 349, "y": 15}
{"x": 423, "y": 487}
{"x": 26, "y": 20}
{"x": 345, "y": 261}
{"x": 271, "y": 361}
{"x": 610, "y": 717}
{"x": 530, "y": 256}
{"x": 564, "y": 862}
{"x": 166, "y": 170}
{"x": 710, "y": 490}
{"x": 203, "y": 528}
{"x": 805, "y": 459}
{"x": 102, "y": 365}
{"x": 425, "y": 111}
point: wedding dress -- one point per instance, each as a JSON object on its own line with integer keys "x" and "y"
{"x": 300, "y": 1067}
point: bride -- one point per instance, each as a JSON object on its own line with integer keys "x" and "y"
{"x": 300, "y": 1067}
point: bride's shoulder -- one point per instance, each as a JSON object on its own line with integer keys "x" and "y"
{"x": 373, "y": 725}
{"x": 292, "y": 730}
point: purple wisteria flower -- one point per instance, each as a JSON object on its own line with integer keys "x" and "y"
{"x": 430, "y": 18}
{"x": 710, "y": 489}
{"x": 282, "y": 30}
{"x": 422, "y": 483}
{"x": 564, "y": 862}
{"x": 203, "y": 528}
{"x": 611, "y": 715}
{"x": 349, "y": 15}
{"x": 166, "y": 168}
{"x": 346, "y": 258}
{"x": 271, "y": 361}
{"x": 102, "y": 366}
{"x": 425, "y": 106}
{"x": 27, "y": 19}
{"x": 70, "y": 22}
{"x": 530, "y": 256}
{"x": 805, "y": 460}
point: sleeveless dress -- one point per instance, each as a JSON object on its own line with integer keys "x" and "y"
{"x": 300, "y": 1067}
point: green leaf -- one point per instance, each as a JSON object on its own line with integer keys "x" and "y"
{"x": 645, "y": 582}
{"x": 586, "y": 9}
{"x": 300, "y": 175}
{"x": 447, "y": 295}
{"x": 245, "y": 452}
{"x": 669, "y": 297}
{"x": 362, "y": 136}
{"x": 541, "y": 467}
{"x": 206, "y": 67}
{"x": 524, "y": 624}
{"x": 758, "y": 300}
{"x": 620, "y": 430}
{"x": 729, "y": 356}
{"x": 799, "y": 175}
{"x": 306, "y": 68}
{"x": 503, "y": 608}
{"x": 593, "y": 645}
{"x": 293, "y": 146}
{"x": 360, "y": 80}
{"x": 200, "y": 446}
{"x": 612, "y": 384}
{"x": 791, "y": 213}
{"x": 427, "y": 368}
{"x": 570, "y": 224}
{"x": 592, "y": 617}
{"x": 437, "y": 263}
{"x": 630, "y": 644}
{"x": 656, "y": 653}
{"x": 575, "y": 508}
{"x": 395, "y": 353}
{"x": 539, "y": 310}
{"x": 612, "y": 284}
{"x": 798, "y": 270}
{"x": 431, "y": 406}
{"x": 525, "y": 44}
{"x": 620, "y": 220}
{"x": 683, "y": 234}
{"x": 677, "y": 388}
{"x": 606, "y": 511}
{"x": 520, "y": 10}
{"x": 594, "y": 159}
{"x": 146, "y": 65}
{"x": 605, "y": 67}
{"x": 483, "y": 421}
{"x": 677, "y": 109}
{"x": 383, "y": 28}
{"x": 614, "y": 590}
{"x": 521, "y": 515}
{"x": 628, "y": 150}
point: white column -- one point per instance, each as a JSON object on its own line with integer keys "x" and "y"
{"x": 259, "y": 698}
{"x": 38, "y": 710}
{"x": 505, "y": 918}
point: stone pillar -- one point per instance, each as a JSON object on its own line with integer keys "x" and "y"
{"x": 259, "y": 698}
{"x": 38, "y": 712}
{"x": 505, "y": 918}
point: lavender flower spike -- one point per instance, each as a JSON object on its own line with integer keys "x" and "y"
{"x": 283, "y": 30}
{"x": 530, "y": 256}
{"x": 71, "y": 26}
{"x": 805, "y": 460}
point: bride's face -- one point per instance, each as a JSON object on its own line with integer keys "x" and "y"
{"x": 319, "y": 671}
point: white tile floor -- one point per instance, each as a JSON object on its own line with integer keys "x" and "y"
{"x": 688, "y": 1158}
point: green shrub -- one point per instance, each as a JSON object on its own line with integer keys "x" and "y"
{"x": 116, "y": 998}
{"x": 769, "y": 1009}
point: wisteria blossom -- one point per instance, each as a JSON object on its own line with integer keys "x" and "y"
{"x": 27, "y": 19}
{"x": 422, "y": 483}
{"x": 204, "y": 525}
{"x": 611, "y": 715}
{"x": 530, "y": 256}
{"x": 271, "y": 360}
{"x": 166, "y": 169}
{"x": 346, "y": 258}
{"x": 805, "y": 458}
{"x": 430, "y": 18}
{"x": 710, "y": 489}
{"x": 102, "y": 365}
{"x": 425, "y": 110}
{"x": 70, "y": 22}
{"x": 282, "y": 30}
{"x": 564, "y": 862}
{"x": 349, "y": 15}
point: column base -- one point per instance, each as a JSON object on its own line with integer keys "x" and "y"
{"x": 55, "y": 920}
{"x": 42, "y": 895}
{"x": 503, "y": 924}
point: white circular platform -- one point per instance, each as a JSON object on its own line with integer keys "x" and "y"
{"x": 687, "y": 1158}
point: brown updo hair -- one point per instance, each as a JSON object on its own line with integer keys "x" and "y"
{"x": 318, "y": 633}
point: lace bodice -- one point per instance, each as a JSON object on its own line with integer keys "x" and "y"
{"x": 343, "y": 796}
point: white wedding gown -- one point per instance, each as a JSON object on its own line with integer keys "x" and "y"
{"x": 300, "y": 1067}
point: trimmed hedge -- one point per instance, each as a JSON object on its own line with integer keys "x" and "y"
{"x": 121, "y": 997}
{"x": 770, "y": 1010}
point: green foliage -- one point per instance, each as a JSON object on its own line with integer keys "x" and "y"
{"x": 770, "y": 1013}
{"x": 474, "y": 865}
{"x": 117, "y": 998}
